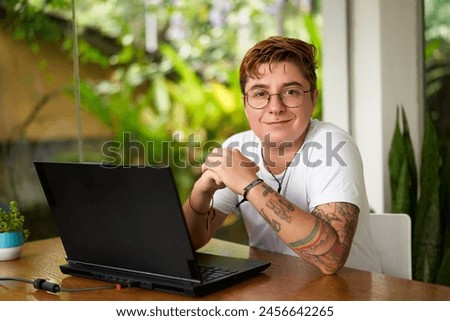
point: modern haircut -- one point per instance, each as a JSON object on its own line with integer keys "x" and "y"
{"x": 279, "y": 49}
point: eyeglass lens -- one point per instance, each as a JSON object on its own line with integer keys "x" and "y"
{"x": 259, "y": 98}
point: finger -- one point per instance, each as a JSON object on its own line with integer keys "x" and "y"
{"x": 213, "y": 160}
{"x": 217, "y": 152}
{"x": 213, "y": 176}
{"x": 210, "y": 163}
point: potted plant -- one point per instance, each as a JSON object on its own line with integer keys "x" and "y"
{"x": 12, "y": 232}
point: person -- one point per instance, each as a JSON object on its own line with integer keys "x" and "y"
{"x": 297, "y": 182}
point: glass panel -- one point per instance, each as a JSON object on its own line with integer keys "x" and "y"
{"x": 158, "y": 80}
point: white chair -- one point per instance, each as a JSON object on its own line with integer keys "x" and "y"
{"x": 391, "y": 234}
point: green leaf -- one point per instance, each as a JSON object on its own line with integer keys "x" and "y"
{"x": 396, "y": 159}
{"x": 92, "y": 102}
{"x": 427, "y": 228}
{"x": 12, "y": 220}
{"x": 412, "y": 171}
{"x": 160, "y": 93}
{"x": 313, "y": 31}
{"x": 430, "y": 165}
{"x": 183, "y": 69}
{"x": 443, "y": 276}
{"x": 426, "y": 248}
{"x": 401, "y": 202}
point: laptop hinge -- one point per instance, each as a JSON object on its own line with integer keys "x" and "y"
{"x": 128, "y": 271}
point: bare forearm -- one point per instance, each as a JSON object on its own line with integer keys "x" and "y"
{"x": 310, "y": 235}
{"x": 198, "y": 215}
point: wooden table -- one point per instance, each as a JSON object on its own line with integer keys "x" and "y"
{"x": 288, "y": 278}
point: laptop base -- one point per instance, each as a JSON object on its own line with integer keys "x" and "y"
{"x": 182, "y": 287}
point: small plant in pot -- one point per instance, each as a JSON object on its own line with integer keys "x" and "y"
{"x": 12, "y": 232}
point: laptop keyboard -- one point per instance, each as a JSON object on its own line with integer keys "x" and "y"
{"x": 210, "y": 273}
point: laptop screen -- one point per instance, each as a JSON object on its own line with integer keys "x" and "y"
{"x": 126, "y": 218}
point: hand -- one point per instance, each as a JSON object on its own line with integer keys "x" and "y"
{"x": 209, "y": 182}
{"x": 231, "y": 168}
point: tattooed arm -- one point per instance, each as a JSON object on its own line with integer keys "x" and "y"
{"x": 323, "y": 237}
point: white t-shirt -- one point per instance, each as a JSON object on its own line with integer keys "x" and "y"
{"x": 327, "y": 168}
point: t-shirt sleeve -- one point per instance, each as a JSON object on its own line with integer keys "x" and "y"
{"x": 225, "y": 201}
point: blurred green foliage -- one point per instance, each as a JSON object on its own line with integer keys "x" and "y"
{"x": 424, "y": 194}
{"x": 11, "y": 220}
{"x": 437, "y": 63}
{"x": 424, "y": 197}
{"x": 170, "y": 99}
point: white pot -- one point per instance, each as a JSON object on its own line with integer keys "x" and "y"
{"x": 10, "y": 253}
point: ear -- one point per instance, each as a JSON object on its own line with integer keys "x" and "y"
{"x": 315, "y": 96}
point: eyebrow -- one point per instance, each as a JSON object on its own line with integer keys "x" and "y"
{"x": 288, "y": 84}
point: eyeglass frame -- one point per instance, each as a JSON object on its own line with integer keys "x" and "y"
{"x": 278, "y": 94}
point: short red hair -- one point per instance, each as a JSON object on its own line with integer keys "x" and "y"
{"x": 278, "y": 49}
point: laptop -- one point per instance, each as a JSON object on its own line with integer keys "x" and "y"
{"x": 124, "y": 224}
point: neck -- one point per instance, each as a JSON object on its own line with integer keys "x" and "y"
{"x": 277, "y": 157}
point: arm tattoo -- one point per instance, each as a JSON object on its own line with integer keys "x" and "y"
{"x": 267, "y": 190}
{"x": 328, "y": 243}
{"x": 341, "y": 218}
{"x": 286, "y": 204}
{"x": 310, "y": 240}
{"x": 275, "y": 224}
{"x": 278, "y": 205}
{"x": 279, "y": 210}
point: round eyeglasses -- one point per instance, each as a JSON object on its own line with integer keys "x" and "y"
{"x": 292, "y": 97}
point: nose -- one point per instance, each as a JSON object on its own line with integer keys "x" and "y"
{"x": 275, "y": 104}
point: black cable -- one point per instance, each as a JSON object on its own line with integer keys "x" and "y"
{"x": 42, "y": 284}
{"x": 16, "y": 279}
